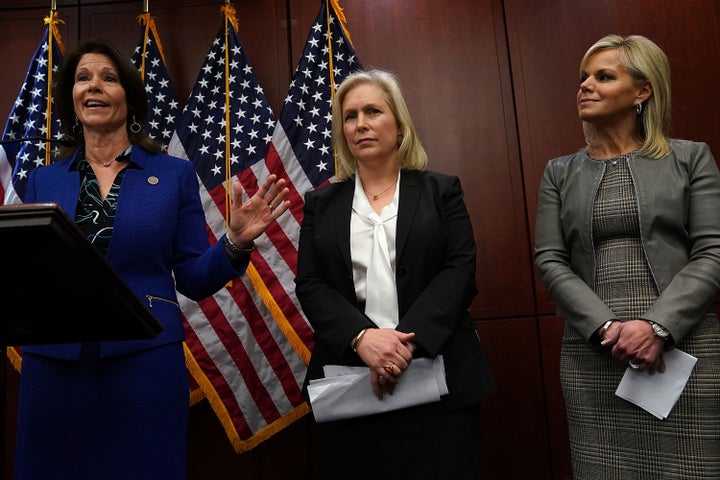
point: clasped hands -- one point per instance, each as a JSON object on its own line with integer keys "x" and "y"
{"x": 249, "y": 220}
{"x": 388, "y": 353}
{"x": 633, "y": 343}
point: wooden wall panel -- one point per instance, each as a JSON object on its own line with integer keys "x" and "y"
{"x": 22, "y": 32}
{"x": 513, "y": 429}
{"x": 551, "y": 332}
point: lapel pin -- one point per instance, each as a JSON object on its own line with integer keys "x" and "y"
{"x": 153, "y": 180}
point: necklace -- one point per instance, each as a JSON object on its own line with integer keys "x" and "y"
{"x": 376, "y": 196}
{"x": 104, "y": 164}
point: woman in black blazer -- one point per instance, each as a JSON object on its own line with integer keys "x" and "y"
{"x": 386, "y": 273}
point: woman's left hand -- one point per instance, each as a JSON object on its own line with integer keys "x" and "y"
{"x": 250, "y": 219}
{"x": 634, "y": 343}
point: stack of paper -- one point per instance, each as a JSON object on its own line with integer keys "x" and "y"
{"x": 346, "y": 392}
{"x": 658, "y": 393}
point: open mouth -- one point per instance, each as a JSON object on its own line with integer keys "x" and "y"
{"x": 94, "y": 103}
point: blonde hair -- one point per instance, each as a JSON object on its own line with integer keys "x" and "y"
{"x": 645, "y": 62}
{"x": 411, "y": 154}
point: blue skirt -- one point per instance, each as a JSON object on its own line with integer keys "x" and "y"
{"x": 117, "y": 418}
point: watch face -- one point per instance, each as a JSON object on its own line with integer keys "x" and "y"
{"x": 660, "y": 331}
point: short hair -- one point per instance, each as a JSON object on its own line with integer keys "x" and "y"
{"x": 129, "y": 78}
{"x": 645, "y": 62}
{"x": 411, "y": 153}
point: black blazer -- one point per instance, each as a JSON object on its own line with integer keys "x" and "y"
{"x": 435, "y": 275}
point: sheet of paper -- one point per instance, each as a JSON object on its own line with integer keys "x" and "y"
{"x": 345, "y": 392}
{"x": 658, "y": 393}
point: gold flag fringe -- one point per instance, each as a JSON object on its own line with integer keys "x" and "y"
{"x": 148, "y": 21}
{"x": 335, "y": 4}
{"x": 239, "y": 445}
{"x": 290, "y": 334}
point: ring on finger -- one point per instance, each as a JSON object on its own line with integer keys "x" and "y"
{"x": 389, "y": 368}
{"x": 634, "y": 366}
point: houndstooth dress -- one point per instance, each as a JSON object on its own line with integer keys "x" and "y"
{"x": 610, "y": 438}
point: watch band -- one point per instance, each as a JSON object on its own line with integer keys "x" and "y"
{"x": 604, "y": 329}
{"x": 229, "y": 245}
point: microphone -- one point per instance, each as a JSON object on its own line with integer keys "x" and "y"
{"x": 64, "y": 141}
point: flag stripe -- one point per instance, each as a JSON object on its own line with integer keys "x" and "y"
{"x": 5, "y": 173}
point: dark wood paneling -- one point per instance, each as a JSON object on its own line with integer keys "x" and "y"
{"x": 551, "y": 332}
{"x": 513, "y": 428}
{"x": 22, "y": 32}
{"x": 210, "y": 455}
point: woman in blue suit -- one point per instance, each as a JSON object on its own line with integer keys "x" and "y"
{"x": 386, "y": 273}
{"x": 119, "y": 410}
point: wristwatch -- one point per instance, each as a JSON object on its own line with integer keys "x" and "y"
{"x": 660, "y": 331}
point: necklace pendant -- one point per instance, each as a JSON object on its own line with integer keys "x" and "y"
{"x": 375, "y": 197}
{"x": 106, "y": 164}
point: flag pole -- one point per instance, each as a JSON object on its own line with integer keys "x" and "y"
{"x": 335, "y": 6}
{"x": 331, "y": 73}
{"x": 230, "y": 18}
{"x": 144, "y": 19}
{"x": 51, "y": 21}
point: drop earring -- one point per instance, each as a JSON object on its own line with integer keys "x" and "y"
{"x": 135, "y": 127}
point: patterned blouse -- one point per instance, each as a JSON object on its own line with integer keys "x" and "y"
{"x": 95, "y": 216}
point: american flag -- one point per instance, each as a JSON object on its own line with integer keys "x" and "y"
{"x": 301, "y": 144}
{"x": 29, "y": 118}
{"x": 251, "y": 342}
{"x": 163, "y": 107}
{"x": 241, "y": 356}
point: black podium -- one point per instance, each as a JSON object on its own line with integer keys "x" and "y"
{"x": 56, "y": 288}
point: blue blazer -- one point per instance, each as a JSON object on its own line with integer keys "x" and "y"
{"x": 435, "y": 276}
{"x": 159, "y": 243}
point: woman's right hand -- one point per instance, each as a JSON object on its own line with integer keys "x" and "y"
{"x": 388, "y": 353}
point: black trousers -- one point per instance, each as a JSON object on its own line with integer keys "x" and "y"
{"x": 419, "y": 443}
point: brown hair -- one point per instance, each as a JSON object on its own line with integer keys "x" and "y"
{"x": 130, "y": 79}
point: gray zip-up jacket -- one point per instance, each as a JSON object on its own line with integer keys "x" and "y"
{"x": 678, "y": 200}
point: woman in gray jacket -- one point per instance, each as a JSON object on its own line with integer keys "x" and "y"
{"x": 628, "y": 245}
